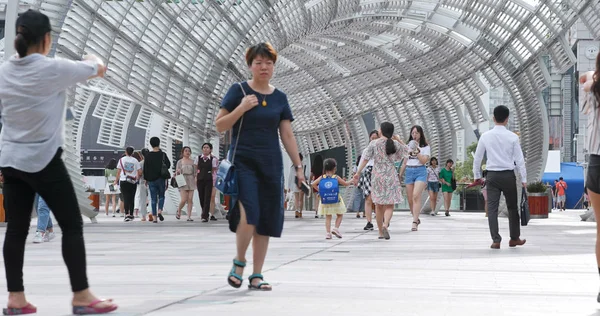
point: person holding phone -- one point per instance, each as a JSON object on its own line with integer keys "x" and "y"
{"x": 32, "y": 90}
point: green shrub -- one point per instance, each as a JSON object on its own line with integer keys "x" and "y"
{"x": 536, "y": 187}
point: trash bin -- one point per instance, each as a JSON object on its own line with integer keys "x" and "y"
{"x": 538, "y": 205}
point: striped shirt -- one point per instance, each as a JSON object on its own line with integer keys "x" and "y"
{"x": 590, "y": 108}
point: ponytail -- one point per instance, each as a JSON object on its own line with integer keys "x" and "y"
{"x": 387, "y": 130}
{"x": 21, "y": 45}
{"x": 390, "y": 147}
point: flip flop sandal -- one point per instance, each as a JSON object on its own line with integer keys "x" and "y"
{"x": 92, "y": 310}
{"x": 177, "y": 217}
{"x": 259, "y": 286}
{"x": 236, "y": 263}
{"x": 161, "y": 217}
{"x": 190, "y": 220}
{"x": 415, "y": 227}
{"x": 28, "y": 309}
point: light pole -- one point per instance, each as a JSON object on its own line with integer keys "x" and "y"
{"x": 10, "y": 31}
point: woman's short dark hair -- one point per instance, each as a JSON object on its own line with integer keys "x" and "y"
{"x": 264, "y": 50}
{"x": 205, "y": 144}
{"x": 32, "y": 27}
{"x": 422, "y": 140}
{"x": 144, "y": 152}
{"x": 432, "y": 159}
{"x": 129, "y": 150}
{"x": 329, "y": 164}
{"x": 376, "y": 132}
{"x": 112, "y": 164}
{"x": 449, "y": 160}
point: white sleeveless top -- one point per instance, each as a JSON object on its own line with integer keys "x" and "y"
{"x": 590, "y": 108}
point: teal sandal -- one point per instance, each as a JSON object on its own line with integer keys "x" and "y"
{"x": 260, "y": 285}
{"x": 236, "y": 263}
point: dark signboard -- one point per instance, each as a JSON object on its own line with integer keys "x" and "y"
{"x": 98, "y": 159}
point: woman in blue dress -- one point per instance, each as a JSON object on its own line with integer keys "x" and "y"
{"x": 257, "y": 213}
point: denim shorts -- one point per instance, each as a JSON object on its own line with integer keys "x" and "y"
{"x": 433, "y": 187}
{"x": 414, "y": 174}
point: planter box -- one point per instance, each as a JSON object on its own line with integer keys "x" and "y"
{"x": 474, "y": 201}
{"x": 538, "y": 205}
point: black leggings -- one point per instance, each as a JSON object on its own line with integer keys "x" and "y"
{"x": 54, "y": 185}
{"x": 204, "y": 193}
{"x": 128, "y": 190}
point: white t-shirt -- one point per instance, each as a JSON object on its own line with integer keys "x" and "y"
{"x": 32, "y": 106}
{"x": 369, "y": 163}
{"x": 433, "y": 174}
{"x": 129, "y": 166}
{"x": 412, "y": 156}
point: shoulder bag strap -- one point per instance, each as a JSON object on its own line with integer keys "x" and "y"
{"x": 239, "y": 129}
{"x": 435, "y": 174}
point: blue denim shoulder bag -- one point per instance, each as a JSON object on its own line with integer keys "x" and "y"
{"x": 227, "y": 182}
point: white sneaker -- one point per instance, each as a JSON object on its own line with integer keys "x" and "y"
{"x": 38, "y": 238}
{"x": 49, "y": 236}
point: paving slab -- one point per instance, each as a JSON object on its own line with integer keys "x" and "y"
{"x": 446, "y": 268}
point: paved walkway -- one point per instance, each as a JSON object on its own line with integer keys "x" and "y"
{"x": 446, "y": 268}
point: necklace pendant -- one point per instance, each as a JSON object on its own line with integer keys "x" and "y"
{"x": 264, "y": 103}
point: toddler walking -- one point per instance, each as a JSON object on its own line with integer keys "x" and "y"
{"x": 328, "y": 186}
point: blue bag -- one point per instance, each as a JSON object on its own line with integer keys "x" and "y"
{"x": 227, "y": 181}
{"x": 329, "y": 190}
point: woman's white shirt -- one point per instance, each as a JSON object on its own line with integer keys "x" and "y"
{"x": 32, "y": 107}
{"x": 369, "y": 163}
{"x": 413, "y": 160}
{"x": 433, "y": 174}
{"x": 129, "y": 167}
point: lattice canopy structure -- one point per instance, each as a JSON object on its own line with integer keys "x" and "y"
{"x": 408, "y": 62}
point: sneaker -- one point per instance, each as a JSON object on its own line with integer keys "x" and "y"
{"x": 369, "y": 226}
{"x": 38, "y": 238}
{"x": 336, "y": 233}
{"x": 127, "y": 219}
{"x": 204, "y": 220}
{"x": 213, "y": 218}
{"x": 49, "y": 236}
{"x": 328, "y": 236}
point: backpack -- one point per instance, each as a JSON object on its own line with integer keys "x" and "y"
{"x": 329, "y": 190}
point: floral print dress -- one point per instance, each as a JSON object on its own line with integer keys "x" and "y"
{"x": 385, "y": 183}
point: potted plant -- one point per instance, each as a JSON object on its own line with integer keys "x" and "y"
{"x": 537, "y": 199}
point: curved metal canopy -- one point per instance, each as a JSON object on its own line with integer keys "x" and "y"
{"x": 408, "y": 62}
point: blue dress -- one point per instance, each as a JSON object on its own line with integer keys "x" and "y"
{"x": 258, "y": 160}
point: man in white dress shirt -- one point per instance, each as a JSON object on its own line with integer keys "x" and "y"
{"x": 503, "y": 154}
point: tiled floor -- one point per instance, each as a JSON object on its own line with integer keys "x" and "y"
{"x": 446, "y": 268}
